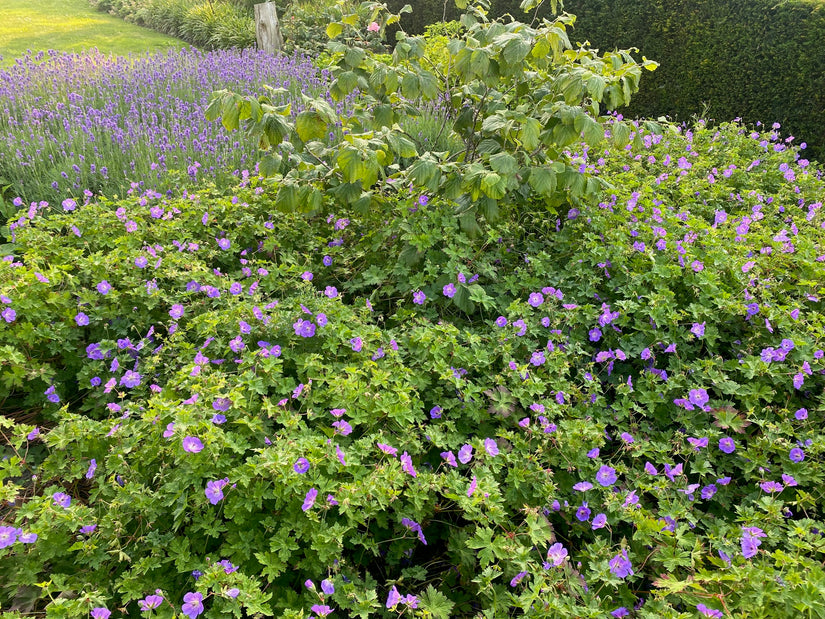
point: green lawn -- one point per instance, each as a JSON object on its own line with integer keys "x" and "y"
{"x": 70, "y": 26}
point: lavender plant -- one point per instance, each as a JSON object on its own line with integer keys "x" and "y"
{"x": 91, "y": 123}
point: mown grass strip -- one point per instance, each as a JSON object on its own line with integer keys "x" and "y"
{"x": 71, "y": 26}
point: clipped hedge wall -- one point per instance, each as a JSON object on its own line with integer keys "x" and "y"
{"x": 759, "y": 61}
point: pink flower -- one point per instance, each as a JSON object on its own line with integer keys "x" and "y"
{"x": 373, "y": 27}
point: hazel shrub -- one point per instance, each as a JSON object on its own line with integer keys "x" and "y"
{"x": 211, "y": 407}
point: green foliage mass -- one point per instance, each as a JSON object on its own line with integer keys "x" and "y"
{"x": 511, "y": 96}
{"x": 428, "y": 379}
{"x": 386, "y": 380}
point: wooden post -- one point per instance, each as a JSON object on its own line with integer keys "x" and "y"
{"x": 267, "y": 28}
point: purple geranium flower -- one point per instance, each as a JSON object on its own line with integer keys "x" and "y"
{"x": 490, "y": 446}
{"x": 606, "y": 476}
{"x": 407, "y": 465}
{"x": 192, "y": 444}
{"x": 61, "y": 499}
{"x": 535, "y": 299}
{"x": 193, "y": 605}
{"x": 150, "y": 602}
{"x": 130, "y": 379}
{"x": 387, "y": 449}
{"x": 727, "y": 445}
{"x": 104, "y": 287}
{"x": 214, "y": 490}
{"x": 393, "y": 598}
{"x": 517, "y": 578}
{"x": 309, "y": 499}
{"x": 90, "y": 472}
{"x": 557, "y": 554}
{"x": 620, "y": 565}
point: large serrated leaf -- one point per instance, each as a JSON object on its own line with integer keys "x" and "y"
{"x": 595, "y": 87}
{"x": 593, "y": 132}
{"x": 529, "y": 134}
{"x": 621, "y": 134}
{"x": 348, "y": 160}
{"x": 504, "y": 164}
{"x": 384, "y": 116}
{"x": 287, "y": 199}
{"x": 423, "y": 170}
{"x": 542, "y": 181}
{"x": 461, "y": 299}
{"x": 354, "y": 57}
{"x": 334, "y": 29}
{"x": 493, "y": 185}
{"x": 515, "y": 51}
{"x": 269, "y": 164}
{"x": 310, "y": 126}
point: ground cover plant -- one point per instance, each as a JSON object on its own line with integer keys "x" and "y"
{"x": 603, "y": 399}
{"x": 71, "y": 26}
{"x": 95, "y": 123}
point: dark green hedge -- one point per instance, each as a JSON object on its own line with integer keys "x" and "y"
{"x": 761, "y": 60}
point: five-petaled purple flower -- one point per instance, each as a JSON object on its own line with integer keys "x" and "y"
{"x": 407, "y": 465}
{"x": 61, "y": 499}
{"x": 727, "y": 445}
{"x": 620, "y": 565}
{"x": 104, "y": 287}
{"x": 192, "y": 444}
{"x": 796, "y": 455}
{"x": 309, "y": 499}
{"x": 556, "y": 554}
{"x": 150, "y": 602}
{"x": 606, "y": 476}
{"x": 130, "y": 379}
{"x": 193, "y": 605}
{"x": 214, "y": 490}
{"x": 490, "y": 446}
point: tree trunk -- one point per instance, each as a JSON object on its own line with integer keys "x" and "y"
{"x": 267, "y": 28}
